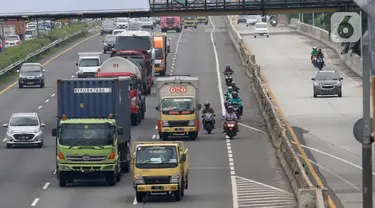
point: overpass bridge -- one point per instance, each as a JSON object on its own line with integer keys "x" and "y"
{"x": 146, "y": 8}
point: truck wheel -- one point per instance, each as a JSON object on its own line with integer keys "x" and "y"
{"x": 139, "y": 117}
{"x": 182, "y": 189}
{"x": 110, "y": 178}
{"x": 142, "y": 112}
{"x": 162, "y": 73}
{"x": 149, "y": 91}
{"x": 20, "y": 85}
{"x": 177, "y": 195}
{"x": 192, "y": 135}
{"x": 164, "y": 136}
{"x": 118, "y": 177}
{"x": 134, "y": 119}
{"x": 9, "y": 146}
{"x": 62, "y": 179}
{"x": 140, "y": 196}
{"x": 125, "y": 167}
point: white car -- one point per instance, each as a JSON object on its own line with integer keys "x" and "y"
{"x": 261, "y": 29}
{"x": 251, "y": 20}
{"x": 117, "y": 31}
{"x": 12, "y": 40}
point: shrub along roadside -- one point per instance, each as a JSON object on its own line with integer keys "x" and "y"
{"x": 13, "y": 54}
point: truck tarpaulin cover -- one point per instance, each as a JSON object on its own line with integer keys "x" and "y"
{"x": 48, "y": 7}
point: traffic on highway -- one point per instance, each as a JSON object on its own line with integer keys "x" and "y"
{"x": 146, "y": 112}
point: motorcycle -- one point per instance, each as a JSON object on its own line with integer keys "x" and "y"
{"x": 319, "y": 63}
{"x": 228, "y": 79}
{"x": 227, "y": 102}
{"x": 231, "y": 129}
{"x": 313, "y": 60}
{"x": 273, "y": 22}
{"x": 237, "y": 109}
{"x": 208, "y": 122}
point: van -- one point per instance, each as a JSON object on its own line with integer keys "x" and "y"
{"x": 171, "y": 23}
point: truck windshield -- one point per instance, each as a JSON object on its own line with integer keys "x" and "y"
{"x": 158, "y": 53}
{"x": 88, "y": 62}
{"x": 156, "y": 157}
{"x": 133, "y": 43}
{"x": 177, "y": 104}
{"x": 86, "y": 134}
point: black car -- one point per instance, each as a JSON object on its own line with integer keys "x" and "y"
{"x": 327, "y": 82}
{"x": 31, "y": 74}
{"x": 109, "y": 43}
{"x": 241, "y": 19}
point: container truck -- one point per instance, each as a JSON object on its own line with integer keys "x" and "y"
{"x": 93, "y": 129}
{"x": 19, "y": 25}
{"x": 178, "y": 106}
{"x": 8, "y": 30}
{"x": 121, "y": 67}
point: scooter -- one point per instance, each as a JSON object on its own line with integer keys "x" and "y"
{"x": 273, "y": 22}
{"x": 228, "y": 79}
{"x": 208, "y": 122}
{"x": 319, "y": 63}
{"x": 237, "y": 110}
{"x": 231, "y": 129}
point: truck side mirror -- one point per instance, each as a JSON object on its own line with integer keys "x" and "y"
{"x": 199, "y": 106}
{"x": 313, "y": 79}
{"x": 341, "y": 78}
{"x": 157, "y": 108}
{"x": 76, "y": 64}
{"x": 54, "y": 132}
{"x": 183, "y": 158}
{"x": 120, "y": 131}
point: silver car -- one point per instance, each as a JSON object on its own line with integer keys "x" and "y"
{"x": 24, "y": 129}
{"x": 327, "y": 82}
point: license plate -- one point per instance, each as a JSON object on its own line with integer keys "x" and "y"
{"x": 178, "y": 129}
{"x": 30, "y": 83}
{"x": 12, "y": 44}
{"x": 230, "y": 128}
{"x": 157, "y": 187}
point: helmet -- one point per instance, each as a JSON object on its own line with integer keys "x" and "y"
{"x": 230, "y": 109}
{"x": 234, "y": 94}
{"x": 233, "y": 84}
{"x": 206, "y": 104}
{"x": 230, "y": 88}
{"x": 227, "y": 67}
{"x": 319, "y": 49}
{"x": 314, "y": 48}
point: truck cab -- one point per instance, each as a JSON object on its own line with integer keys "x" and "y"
{"x": 203, "y": 19}
{"x": 171, "y": 23}
{"x": 161, "y": 53}
{"x": 93, "y": 130}
{"x": 88, "y": 64}
{"x": 190, "y": 21}
{"x": 178, "y": 106}
{"x": 160, "y": 167}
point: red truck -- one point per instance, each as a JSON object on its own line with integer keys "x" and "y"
{"x": 171, "y": 23}
{"x": 121, "y": 67}
{"x": 19, "y": 25}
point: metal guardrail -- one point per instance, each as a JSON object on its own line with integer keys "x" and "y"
{"x": 38, "y": 52}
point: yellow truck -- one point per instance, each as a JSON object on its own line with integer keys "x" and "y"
{"x": 160, "y": 167}
{"x": 178, "y": 106}
{"x": 203, "y": 19}
{"x": 190, "y": 21}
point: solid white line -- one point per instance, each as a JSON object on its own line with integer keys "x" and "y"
{"x": 53, "y": 95}
{"x": 153, "y": 136}
{"x": 46, "y": 185}
{"x": 334, "y": 174}
{"x": 135, "y": 201}
{"x": 332, "y": 156}
{"x": 40, "y": 107}
{"x": 46, "y": 101}
{"x": 35, "y": 202}
{"x": 252, "y": 128}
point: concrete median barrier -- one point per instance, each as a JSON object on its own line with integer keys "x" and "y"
{"x": 351, "y": 60}
{"x": 306, "y": 193}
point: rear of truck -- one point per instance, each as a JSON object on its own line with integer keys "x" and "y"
{"x": 160, "y": 167}
{"x": 88, "y": 64}
{"x": 93, "y": 130}
{"x": 178, "y": 106}
{"x": 160, "y": 44}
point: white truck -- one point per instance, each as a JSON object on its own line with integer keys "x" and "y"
{"x": 88, "y": 64}
{"x": 178, "y": 106}
{"x": 8, "y": 30}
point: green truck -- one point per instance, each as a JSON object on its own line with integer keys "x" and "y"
{"x": 93, "y": 129}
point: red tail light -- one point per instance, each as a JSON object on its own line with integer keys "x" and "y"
{"x": 98, "y": 70}
{"x": 5, "y": 42}
{"x": 18, "y": 43}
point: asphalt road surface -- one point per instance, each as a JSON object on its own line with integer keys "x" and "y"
{"x": 243, "y": 171}
{"x": 324, "y": 124}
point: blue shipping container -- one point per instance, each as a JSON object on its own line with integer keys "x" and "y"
{"x": 95, "y": 98}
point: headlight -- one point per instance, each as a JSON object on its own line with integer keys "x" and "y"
{"x": 175, "y": 178}
{"x": 80, "y": 71}
{"x": 133, "y": 101}
{"x": 165, "y": 123}
{"x": 192, "y": 123}
{"x": 138, "y": 179}
{"x": 22, "y": 76}
{"x": 39, "y": 76}
{"x": 338, "y": 84}
{"x": 316, "y": 84}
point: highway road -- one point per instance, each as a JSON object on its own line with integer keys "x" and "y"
{"x": 323, "y": 125}
{"x": 242, "y": 171}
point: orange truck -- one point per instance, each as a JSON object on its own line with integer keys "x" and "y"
{"x": 161, "y": 44}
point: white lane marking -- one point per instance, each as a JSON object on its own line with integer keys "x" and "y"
{"x": 40, "y": 107}
{"x": 153, "y": 136}
{"x": 252, "y": 128}
{"x": 35, "y": 202}
{"x": 170, "y": 74}
{"x": 4, "y": 140}
{"x": 46, "y": 101}
{"x": 334, "y": 174}
{"x": 172, "y": 67}
{"x": 332, "y": 156}
{"x": 72, "y": 76}
{"x": 46, "y": 185}
{"x": 174, "y": 58}
{"x": 232, "y": 172}
{"x": 264, "y": 185}
{"x": 171, "y": 70}
{"x": 76, "y": 72}
{"x": 135, "y": 200}
{"x": 53, "y": 95}
{"x": 229, "y": 151}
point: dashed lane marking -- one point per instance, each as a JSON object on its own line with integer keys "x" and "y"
{"x": 46, "y": 185}
{"x": 4, "y": 140}
{"x": 255, "y": 194}
{"x": 40, "y": 107}
{"x": 46, "y": 101}
{"x": 35, "y": 202}
{"x": 53, "y": 95}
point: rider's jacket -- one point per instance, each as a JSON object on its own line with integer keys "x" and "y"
{"x": 236, "y": 100}
{"x": 230, "y": 116}
{"x": 228, "y": 94}
{"x": 208, "y": 110}
{"x": 314, "y": 52}
{"x": 320, "y": 55}
{"x": 228, "y": 70}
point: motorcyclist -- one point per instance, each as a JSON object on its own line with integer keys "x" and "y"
{"x": 264, "y": 18}
{"x": 228, "y": 94}
{"x": 237, "y": 100}
{"x": 207, "y": 109}
{"x": 235, "y": 88}
{"x": 228, "y": 70}
{"x": 320, "y": 53}
{"x": 314, "y": 52}
{"x": 230, "y": 116}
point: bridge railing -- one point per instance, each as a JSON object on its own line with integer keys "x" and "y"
{"x": 307, "y": 194}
